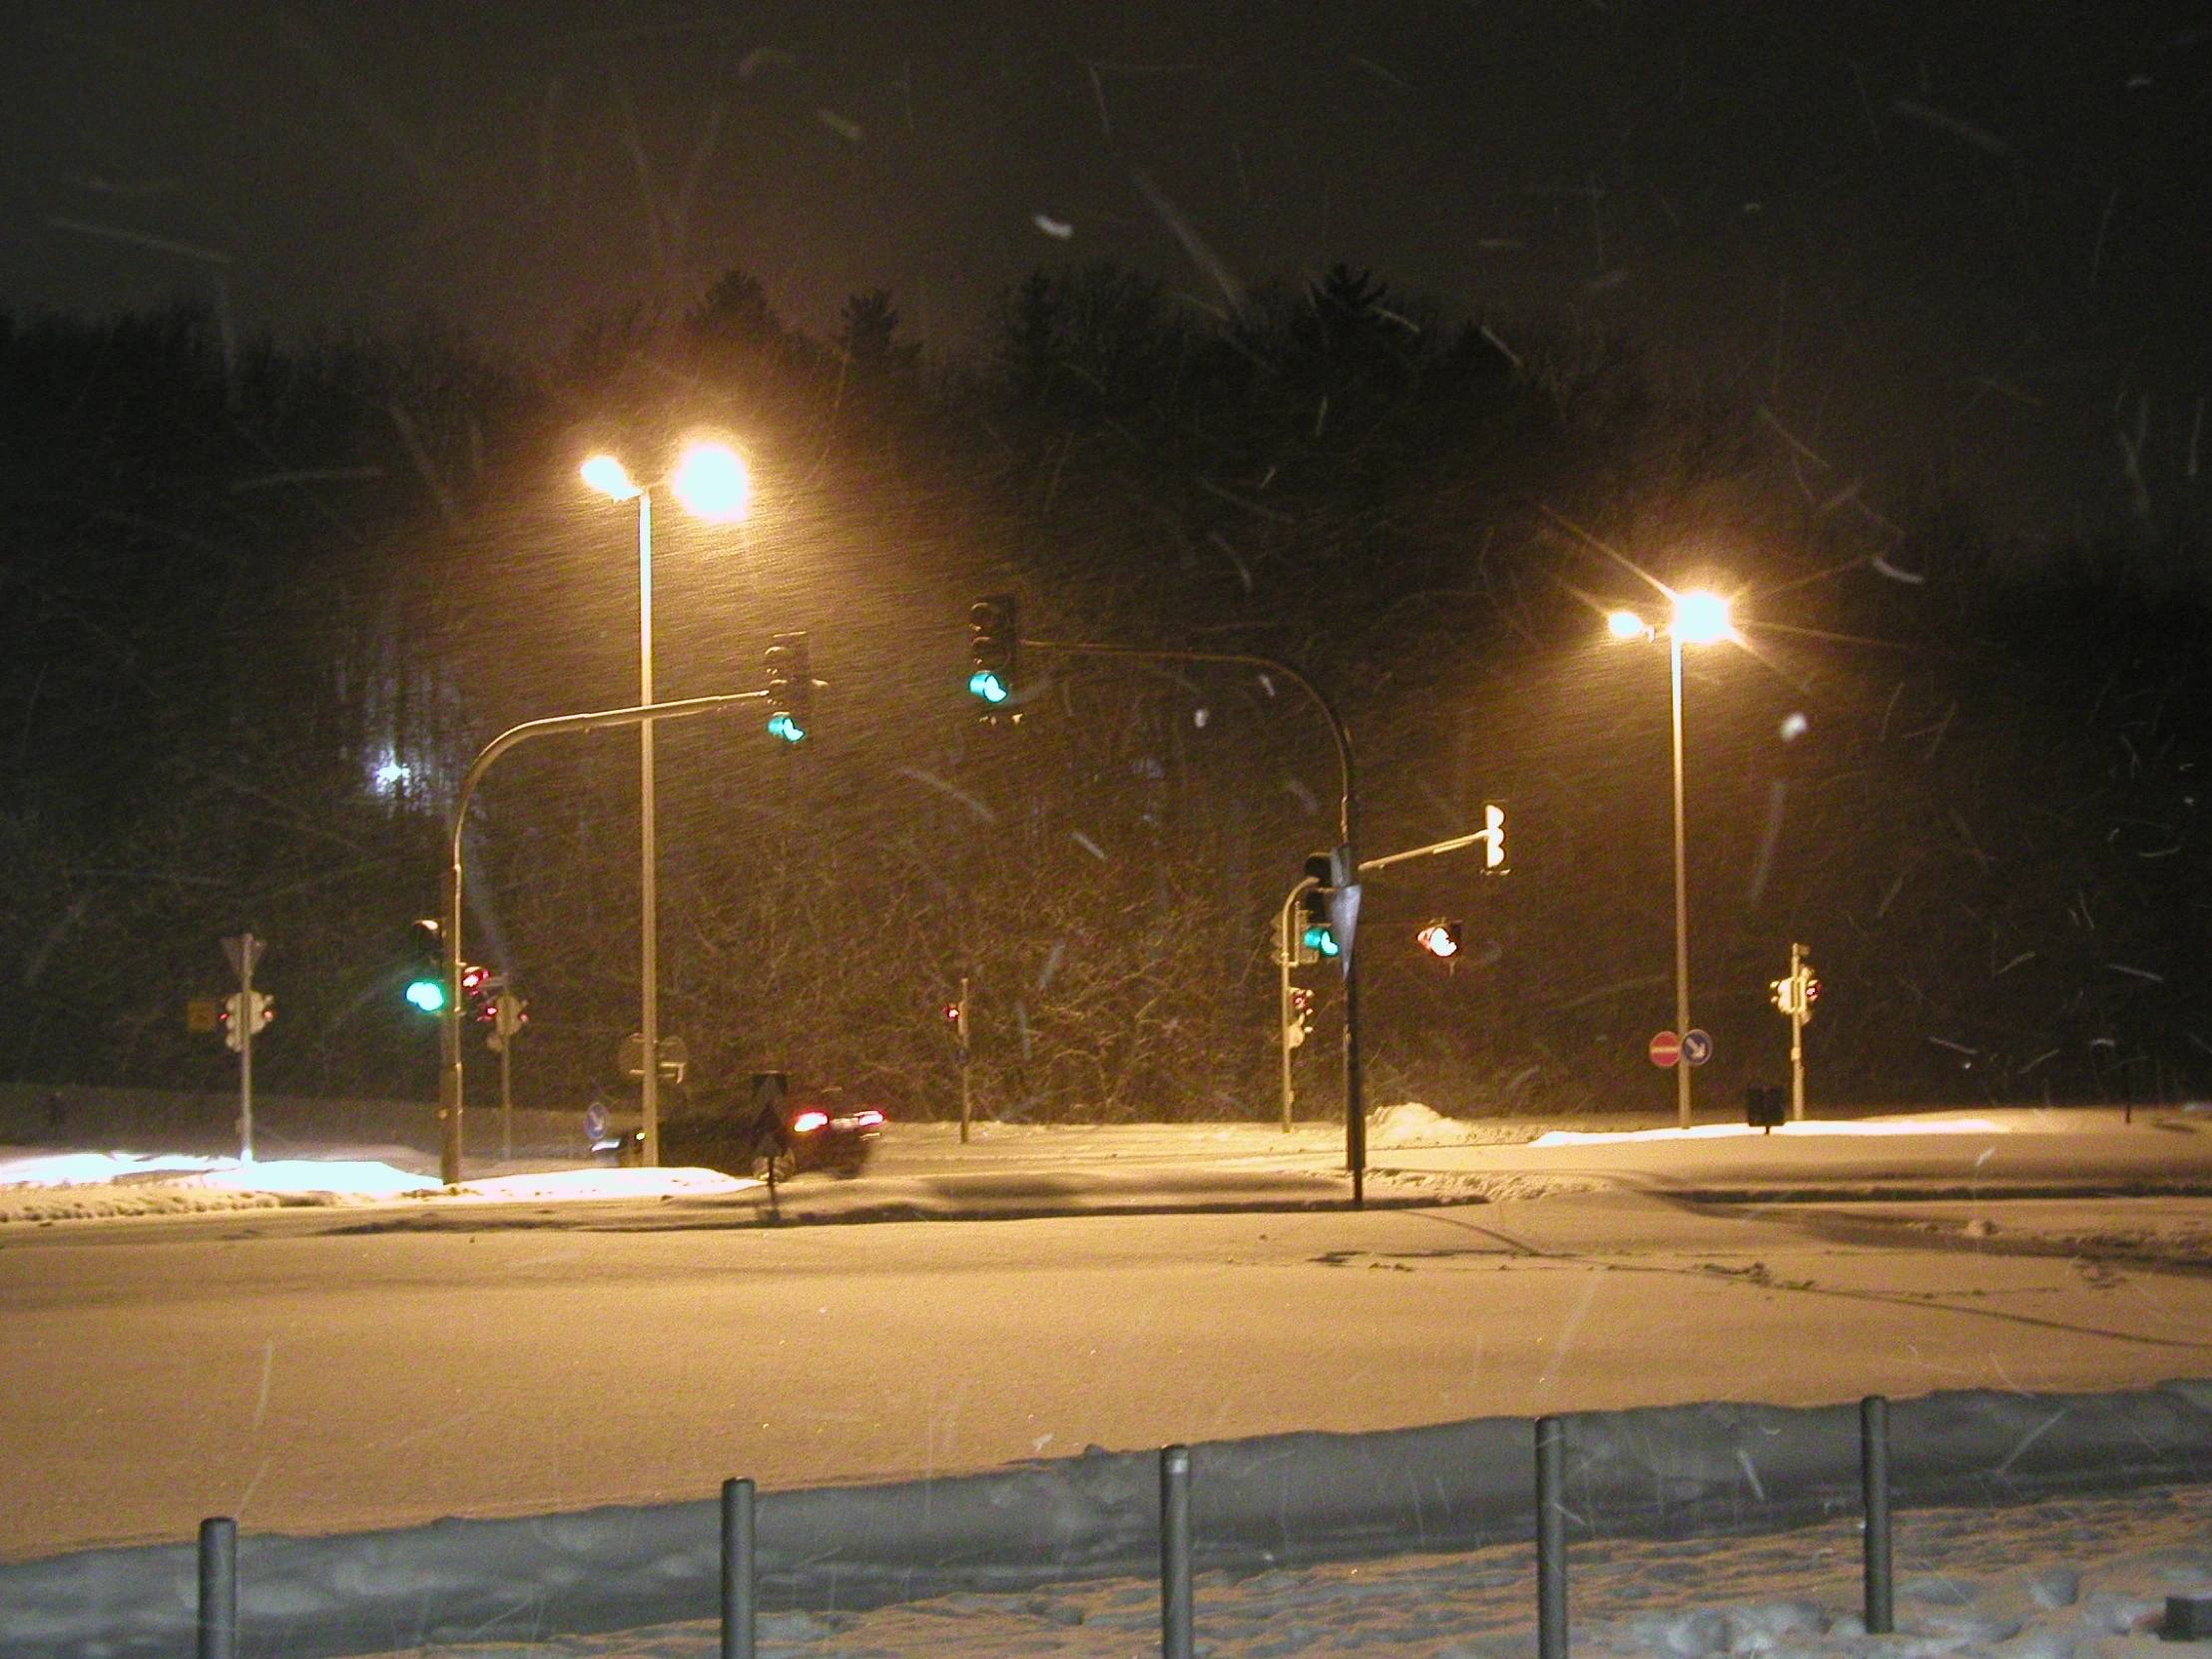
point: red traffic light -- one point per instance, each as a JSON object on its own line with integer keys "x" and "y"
{"x": 952, "y": 1013}
{"x": 1441, "y": 939}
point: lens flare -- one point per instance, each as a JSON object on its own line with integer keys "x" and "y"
{"x": 712, "y": 483}
{"x": 609, "y": 477}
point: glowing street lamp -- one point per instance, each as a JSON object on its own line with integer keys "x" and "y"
{"x": 1700, "y": 617}
{"x": 711, "y": 482}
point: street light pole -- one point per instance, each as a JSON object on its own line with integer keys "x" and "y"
{"x": 1681, "y": 889}
{"x": 712, "y": 484}
{"x": 648, "y": 885}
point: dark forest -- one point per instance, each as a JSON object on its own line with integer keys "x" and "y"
{"x": 266, "y": 598}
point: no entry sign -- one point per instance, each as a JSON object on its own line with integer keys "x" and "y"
{"x": 1664, "y": 1049}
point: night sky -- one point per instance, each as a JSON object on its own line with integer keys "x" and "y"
{"x": 1937, "y": 245}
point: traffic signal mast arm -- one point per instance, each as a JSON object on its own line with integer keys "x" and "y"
{"x": 1432, "y": 849}
{"x": 449, "y": 1021}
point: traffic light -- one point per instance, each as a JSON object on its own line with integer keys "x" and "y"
{"x": 1319, "y": 936}
{"x": 1302, "y": 1018}
{"x": 509, "y": 1014}
{"x": 1494, "y": 840}
{"x": 994, "y": 648}
{"x": 244, "y": 1012}
{"x": 1441, "y": 939}
{"x": 791, "y": 688}
{"x": 1796, "y": 994}
{"x": 480, "y": 989}
{"x": 426, "y": 973}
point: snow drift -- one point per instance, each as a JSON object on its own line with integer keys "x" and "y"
{"x": 1280, "y": 1499}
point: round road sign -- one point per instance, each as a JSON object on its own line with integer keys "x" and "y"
{"x": 1697, "y": 1047}
{"x": 1664, "y": 1049}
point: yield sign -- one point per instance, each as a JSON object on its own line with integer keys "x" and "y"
{"x": 244, "y": 953}
{"x": 1664, "y": 1049}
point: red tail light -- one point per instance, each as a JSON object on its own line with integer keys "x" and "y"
{"x": 868, "y": 1118}
{"x": 807, "y": 1122}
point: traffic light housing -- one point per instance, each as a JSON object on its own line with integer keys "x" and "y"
{"x": 1796, "y": 994}
{"x": 1494, "y": 840}
{"x": 1318, "y": 936}
{"x": 480, "y": 988}
{"x": 244, "y": 1012}
{"x": 1441, "y": 939}
{"x": 994, "y": 648}
{"x": 427, "y": 989}
{"x": 791, "y": 688}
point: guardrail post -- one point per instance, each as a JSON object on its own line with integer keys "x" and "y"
{"x": 1873, "y": 1485}
{"x": 1175, "y": 1553}
{"x": 1551, "y": 1538}
{"x": 219, "y": 1588}
{"x": 736, "y": 1569}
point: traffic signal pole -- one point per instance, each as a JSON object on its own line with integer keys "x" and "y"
{"x": 1348, "y": 823}
{"x": 451, "y": 1079}
{"x": 1796, "y": 1034}
{"x": 1286, "y": 939}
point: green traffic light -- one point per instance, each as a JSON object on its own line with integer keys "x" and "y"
{"x": 985, "y": 682}
{"x": 1320, "y": 939}
{"x": 784, "y": 727}
{"x": 426, "y": 994}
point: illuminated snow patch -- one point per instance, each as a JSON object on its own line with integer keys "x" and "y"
{"x": 97, "y": 1169}
{"x": 1722, "y": 1131}
{"x": 357, "y": 1179}
{"x": 604, "y": 1183}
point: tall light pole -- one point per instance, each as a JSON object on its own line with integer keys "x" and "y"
{"x": 712, "y": 483}
{"x": 1699, "y": 618}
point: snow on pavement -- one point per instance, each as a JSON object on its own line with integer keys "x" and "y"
{"x": 85, "y": 1185}
{"x": 2073, "y": 1578}
{"x": 1808, "y": 1127}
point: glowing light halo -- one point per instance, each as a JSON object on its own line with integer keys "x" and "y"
{"x": 1701, "y": 618}
{"x": 712, "y": 482}
{"x": 610, "y": 479}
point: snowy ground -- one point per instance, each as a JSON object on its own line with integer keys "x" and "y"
{"x": 2081, "y": 1579}
{"x": 85, "y": 1186}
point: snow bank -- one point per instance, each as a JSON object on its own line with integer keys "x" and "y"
{"x": 1805, "y": 1127}
{"x": 1277, "y": 1500}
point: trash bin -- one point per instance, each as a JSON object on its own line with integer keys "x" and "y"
{"x": 1763, "y": 1107}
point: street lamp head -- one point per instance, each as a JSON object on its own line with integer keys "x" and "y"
{"x": 609, "y": 477}
{"x": 1701, "y": 618}
{"x": 712, "y": 482}
{"x": 1627, "y": 624}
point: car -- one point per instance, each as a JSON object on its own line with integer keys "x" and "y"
{"x": 819, "y": 1130}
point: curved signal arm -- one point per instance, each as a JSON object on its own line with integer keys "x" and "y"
{"x": 449, "y": 1018}
{"x": 1348, "y": 824}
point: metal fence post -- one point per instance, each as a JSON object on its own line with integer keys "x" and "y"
{"x": 1551, "y": 1538}
{"x": 736, "y": 1569}
{"x": 1873, "y": 1485}
{"x": 219, "y": 1588}
{"x": 1175, "y": 1553}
